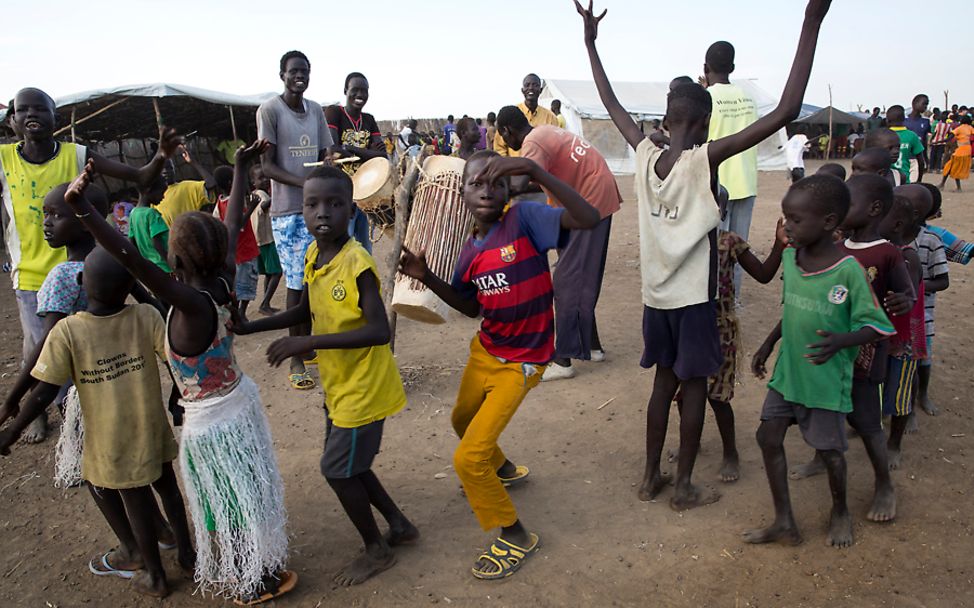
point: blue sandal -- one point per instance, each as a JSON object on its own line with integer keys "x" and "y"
{"x": 506, "y": 557}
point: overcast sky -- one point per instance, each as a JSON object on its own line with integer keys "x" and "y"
{"x": 434, "y": 57}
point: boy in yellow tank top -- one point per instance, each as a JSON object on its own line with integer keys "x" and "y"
{"x": 29, "y": 169}
{"x": 350, "y": 334}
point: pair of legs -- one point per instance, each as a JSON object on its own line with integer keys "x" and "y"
{"x": 490, "y": 393}
{"x": 134, "y": 518}
{"x": 900, "y": 397}
{"x": 292, "y": 239}
{"x": 738, "y": 220}
{"x": 32, "y": 327}
{"x": 694, "y": 390}
{"x": 730, "y": 466}
{"x": 866, "y": 419}
{"x": 577, "y": 283}
{"x": 923, "y": 387}
{"x": 358, "y": 495}
{"x": 271, "y": 281}
{"x": 771, "y": 437}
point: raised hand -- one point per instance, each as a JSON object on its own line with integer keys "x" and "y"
{"x": 76, "y": 190}
{"x": 248, "y": 154}
{"x": 185, "y": 154}
{"x": 413, "y": 265}
{"x": 817, "y": 9}
{"x": 780, "y": 236}
{"x": 169, "y": 142}
{"x": 590, "y": 20}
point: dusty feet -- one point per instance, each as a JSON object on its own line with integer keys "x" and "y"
{"x": 730, "y": 469}
{"x": 784, "y": 533}
{"x": 650, "y": 488}
{"x": 36, "y": 432}
{"x": 895, "y": 456}
{"x": 268, "y": 310}
{"x": 912, "y": 427}
{"x": 883, "y": 508}
{"x": 813, "y": 467}
{"x": 691, "y": 497}
{"x": 840, "y": 530}
{"x": 402, "y": 534}
{"x": 928, "y": 406}
{"x": 374, "y": 560}
{"x": 144, "y": 584}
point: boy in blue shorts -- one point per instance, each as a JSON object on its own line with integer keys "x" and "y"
{"x": 676, "y": 190}
{"x": 829, "y": 311}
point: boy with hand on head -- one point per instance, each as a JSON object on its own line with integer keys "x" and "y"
{"x": 871, "y": 199}
{"x": 502, "y": 275}
{"x": 829, "y": 312}
{"x": 678, "y": 218}
{"x": 128, "y": 445}
{"x": 911, "y": 148}
{"x": 350, "y": 334}
{"x": 908, "y": 346}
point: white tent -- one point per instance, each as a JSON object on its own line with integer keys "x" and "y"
{"x": 586, "y": 116}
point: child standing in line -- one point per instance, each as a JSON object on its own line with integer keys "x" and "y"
{"x": 829, "y": 312}
{"x": 911, "y": 148}
{"x": 933, "y": 261}
{"x": 128, "y": 445}
{"x": 885, "y": 139}
{"x": 350, "y": 335}
{"x": 226, "y": 454}
{"x": 245, "y": 279}
{"x": 871, "y": 199}
{"x": 956, "y": 249}
{"x": 268, "y": 264}
{"x": 502, "y": 274}
{"x": 909, "y": 345}
{"x": 678, "y": 217}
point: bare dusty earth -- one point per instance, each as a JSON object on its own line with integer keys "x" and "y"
{"x": 602, "y": 547}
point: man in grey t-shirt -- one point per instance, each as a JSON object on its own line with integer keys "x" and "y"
{"x": 298, "y": 134}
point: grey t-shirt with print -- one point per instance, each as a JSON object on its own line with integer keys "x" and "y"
{"x": 298, "y": 138}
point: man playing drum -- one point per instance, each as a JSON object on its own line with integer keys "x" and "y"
{"x": 581, "y": 263}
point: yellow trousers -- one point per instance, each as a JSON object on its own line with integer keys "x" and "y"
{"x": 490, "y": 392}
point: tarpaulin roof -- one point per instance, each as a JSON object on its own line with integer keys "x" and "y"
{"x": 127, "y": 111}
{"x": 644, "y": 100}
{"x": 838, "y": 118}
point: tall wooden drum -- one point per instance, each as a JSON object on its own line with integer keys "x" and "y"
{"x": 438, "y": 224}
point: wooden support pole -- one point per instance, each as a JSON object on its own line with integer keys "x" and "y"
{"x": 155, "y": 106}
{"x": 828, "y": 148}
{"x": 92, "y": 115}
{"x": 74, "y": 113}
{"x": 233, "y": 123}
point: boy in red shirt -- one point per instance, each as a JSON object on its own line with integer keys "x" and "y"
{"x": 502, "y": 275}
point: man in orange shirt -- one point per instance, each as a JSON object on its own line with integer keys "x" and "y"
{"x": 537, "y": 115}
{"x": 578, "y": 276}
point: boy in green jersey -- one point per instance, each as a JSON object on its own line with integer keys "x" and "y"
{"x": 828, "y": 312}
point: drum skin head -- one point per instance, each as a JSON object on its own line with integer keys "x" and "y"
{"x": 438, "y": 164}
{"x": 370, "y": 178}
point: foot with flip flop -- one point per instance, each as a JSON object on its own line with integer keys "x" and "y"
{"x": 507, "y": 553}
{"x": 300, "y": 378}
{"x": 272, "y": 587}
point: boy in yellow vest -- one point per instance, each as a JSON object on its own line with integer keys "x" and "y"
{"x": 29, "y": 169}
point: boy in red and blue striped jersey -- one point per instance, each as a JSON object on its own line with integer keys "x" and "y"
{"x": 502, "y": 275}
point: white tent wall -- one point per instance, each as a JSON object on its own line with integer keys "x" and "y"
{"x": 586, "y": 116}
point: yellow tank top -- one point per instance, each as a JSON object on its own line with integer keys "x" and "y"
{"x": 24, "y": 186}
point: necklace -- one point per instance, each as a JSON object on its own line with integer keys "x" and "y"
{"x": 57, "y": 149}
{"x": 355, "y": 126}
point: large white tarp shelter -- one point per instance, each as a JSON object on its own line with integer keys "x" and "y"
{"x": 645, "y": 101}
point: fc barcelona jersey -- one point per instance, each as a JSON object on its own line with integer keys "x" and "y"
{"x": 507, "y": 272}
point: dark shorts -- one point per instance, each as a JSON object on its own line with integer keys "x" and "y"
{"x": 898, "y": 389}
{"x": 268, "y": 262}
{"x": 821, "y": 429}
{"x": 684, "y": 339}
{"x": 350, "y": 452}
{"x": 867, "y": 408}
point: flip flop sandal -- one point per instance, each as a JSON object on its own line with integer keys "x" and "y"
{"x": 311, "y": 361}
{"x": 506, "y": 557}
{"x": 167, "y": 546}
{"x": 302, "y": 382}
{"x": 288, "y": 581}
{"x": 520, "y": 474}
{"x": 99, "y": 566}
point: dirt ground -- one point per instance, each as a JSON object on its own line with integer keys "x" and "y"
{"x": 602, "y": 547}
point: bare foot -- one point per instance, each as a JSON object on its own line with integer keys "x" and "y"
{"x": 840, "y": 530}
{"x": 652, "y": 486}
{"x": 268, "y": 310}
{"x": 730, "y": 469}
{"x": 373, "y": 561}
{"x": 36, "y": 432}
{"x": 895, "y": 456}
{"x": 144, "y": 584}
{"x": 928, "y": 406}
{"x": 405, "y": 534}
{"x": 912, "y": 428}
{"x": 883, "y": 508}
{"x": 813, "y": 467}
{"x": 692, "y": 497}
{"x": 786, "y": 534}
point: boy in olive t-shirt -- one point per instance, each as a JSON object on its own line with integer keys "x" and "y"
{"x": 828, "y": 312}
